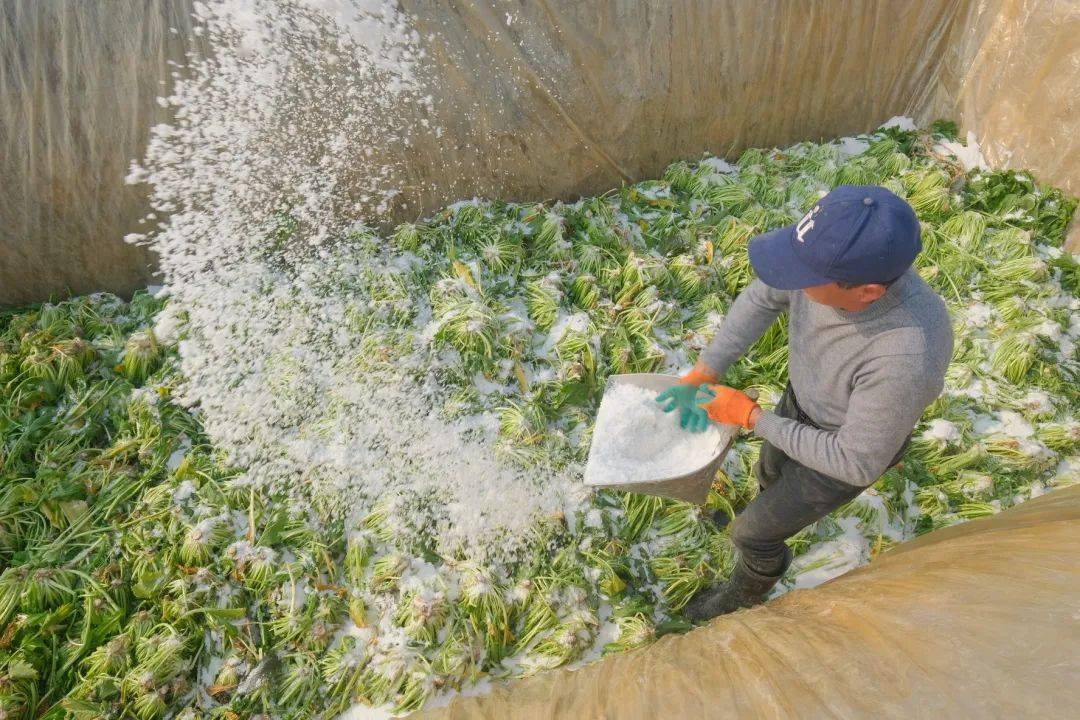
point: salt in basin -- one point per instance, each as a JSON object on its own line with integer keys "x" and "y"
{"x": 637, "y": 447}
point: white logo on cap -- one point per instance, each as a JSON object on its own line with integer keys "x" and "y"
{"x": 806, "y": 224}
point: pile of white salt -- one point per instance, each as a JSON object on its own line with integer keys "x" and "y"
{"x": 634, "y": 440}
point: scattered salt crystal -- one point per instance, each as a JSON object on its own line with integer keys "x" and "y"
{"x": 852, "y": 146}
{"x": 485, "y": 386}
{"x": 1037, "y": 402}
{"x": 655, "y": 193}
{"x": 576, "y": 322}
{"x": 1034, "y": 449}
{"x": 969, "y": 156}
{"x": 899, "y": 122}
{"x": 978, "y": 314}
{"x": 1007, "y": 422}
{"x": 831, "y": 558}
{"x": 167, "y": 324}
{"x": 210, "y": 670}
{"x": 183, "y": 491}
{"x": 359, "y": 711}
{"x": 594, "y": 518}
{"x": 146, "y": 394}
{"x": 636, "y": 441}
{"x": 719, "y": 165}
{"x": 1068, "y": 471}
{"x": 1049, "y": 329}
{"x": 976, "y": 484}
{"x": 178, "y": 454}
{"x": 943, "y": 430}
{"x": 720, "y": 169}
{"x": 879, "y": 523}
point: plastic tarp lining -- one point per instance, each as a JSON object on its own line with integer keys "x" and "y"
{"x": 1010, "y": 75}
{"x": 536, "y": 99}
{"x": 78, "y": 89}
{"x": 975, "y": 620}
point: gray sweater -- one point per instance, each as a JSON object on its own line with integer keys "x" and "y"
{"x": 864, "y": 377}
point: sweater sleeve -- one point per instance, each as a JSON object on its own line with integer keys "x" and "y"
{"x": 888, "y": 399}
{"x": 753, "y": 311}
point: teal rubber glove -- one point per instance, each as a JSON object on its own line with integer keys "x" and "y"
{"x": 692, "y": 417}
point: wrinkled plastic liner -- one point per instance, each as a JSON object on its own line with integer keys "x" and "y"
{"x": 975, "y": 620}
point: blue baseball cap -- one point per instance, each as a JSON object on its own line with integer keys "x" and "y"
{"x": 856, "y": 234}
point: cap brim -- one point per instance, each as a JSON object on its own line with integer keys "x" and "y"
{"x": 773, "y": 256}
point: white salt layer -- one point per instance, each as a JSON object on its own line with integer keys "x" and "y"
{"x": 636, "y": 441}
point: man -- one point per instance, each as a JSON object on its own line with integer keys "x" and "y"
{"x": 868, "y": 345}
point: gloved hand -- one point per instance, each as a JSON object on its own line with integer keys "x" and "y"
{"x": 726, "y": 405}
{"x": 683, "y": 396}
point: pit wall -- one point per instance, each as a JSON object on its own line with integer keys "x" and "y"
{"x": 536, "y": 99}
{"x": 1010, "y": 75}
{"x": 78, "y": 83}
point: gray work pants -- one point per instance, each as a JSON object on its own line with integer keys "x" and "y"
{"x": 792, "y": 496}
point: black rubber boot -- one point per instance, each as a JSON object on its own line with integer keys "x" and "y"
{"x": 745, "y": 588}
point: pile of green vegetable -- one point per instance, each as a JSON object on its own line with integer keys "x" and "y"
{"x": 143, "y": 577}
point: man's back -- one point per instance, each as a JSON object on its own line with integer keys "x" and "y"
{"x": 907, "y": 333}
{"x": 864, "y": 378}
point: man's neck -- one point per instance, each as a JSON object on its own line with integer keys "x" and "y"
{"x": 883, "y": 304}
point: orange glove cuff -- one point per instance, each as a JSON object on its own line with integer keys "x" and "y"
{"x": 730, "y": 406}
{"x": 697, "y": 376}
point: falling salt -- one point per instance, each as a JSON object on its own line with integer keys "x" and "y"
{"x": 266, "y": 352}
{"x": 636, "y": 441}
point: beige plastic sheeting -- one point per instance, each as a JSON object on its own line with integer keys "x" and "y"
{"x": 1011, "y": 77}
{"x": 78, "y": 82}
{"x": 557, "y": 98}
{"x": 978, "y": 620}
{"x": 536, "y": 99}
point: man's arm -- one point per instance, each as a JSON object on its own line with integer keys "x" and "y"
{"x": 887, "y": 402}
{"x": 753, "y": 311}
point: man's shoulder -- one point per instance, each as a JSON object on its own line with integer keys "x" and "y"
{"x": 929, "y": 311}
{"x": 899, "y": 340}
{"x": 926, "y": 300}
{"x": 759, "y": 288}
{"x": 919, "y": 325}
